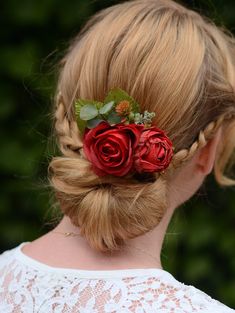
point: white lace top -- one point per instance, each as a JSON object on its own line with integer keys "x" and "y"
{"x": 29, "y": 286}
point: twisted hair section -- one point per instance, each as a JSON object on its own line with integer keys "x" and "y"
{"x": 173, "y": 62}
{"x": 204, "y": 136}
{"x": 67, "y": 130}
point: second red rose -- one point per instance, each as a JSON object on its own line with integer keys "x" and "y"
{"x": 154, "y": 152}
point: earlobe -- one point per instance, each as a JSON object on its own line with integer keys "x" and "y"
{"x": 206, "y": 157}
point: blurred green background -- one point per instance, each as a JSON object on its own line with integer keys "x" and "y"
{"x": 200, "y": 245}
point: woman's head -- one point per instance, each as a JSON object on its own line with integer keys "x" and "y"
{"x": 174, "y": 63}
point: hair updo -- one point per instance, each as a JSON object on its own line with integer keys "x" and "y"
{"x": 173, "y": 62}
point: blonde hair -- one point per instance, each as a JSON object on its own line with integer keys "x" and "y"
{"x": 173, "y": 62}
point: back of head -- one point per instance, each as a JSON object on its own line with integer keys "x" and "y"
{"x": 171, "y": 61}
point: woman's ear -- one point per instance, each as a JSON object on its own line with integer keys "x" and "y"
{"x": 206, "y": 155}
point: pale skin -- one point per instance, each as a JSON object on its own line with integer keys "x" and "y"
{"x": 73, "y": 252}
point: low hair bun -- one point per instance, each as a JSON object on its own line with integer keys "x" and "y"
{"x": 107, "y": 210}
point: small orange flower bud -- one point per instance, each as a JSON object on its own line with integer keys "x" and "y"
{"x": 123, "y": 108}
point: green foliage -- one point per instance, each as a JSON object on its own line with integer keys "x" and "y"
{"x": 87, "y": 110}
{"x": 106, "y": 108}
{"x": 118, "y": 95}
{"x": 93, "y": 122}
{"x": 113, "y": 118}
{"x": 199, "y": 246}
{"x": 90, "y": 113}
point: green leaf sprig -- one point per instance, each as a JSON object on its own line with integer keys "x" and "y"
{"x": 117, "y": 107}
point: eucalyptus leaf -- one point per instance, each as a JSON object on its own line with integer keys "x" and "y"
{"x": 117, "y": 94}
{"x": 88, "y": 112}
{"x": 107, "y": 107}
{"x": 94, "y": 122}
{"x": 78, "y": 105}
{"x": 113, "y": 118}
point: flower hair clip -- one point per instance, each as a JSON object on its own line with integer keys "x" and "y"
{"x": 118, "y": 139}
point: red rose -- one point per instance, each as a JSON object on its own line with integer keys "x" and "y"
{"x": 154, "y": 151}
{"x": 110, "y": 148}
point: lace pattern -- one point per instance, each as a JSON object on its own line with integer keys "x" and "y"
{"x": 27, "y": 288}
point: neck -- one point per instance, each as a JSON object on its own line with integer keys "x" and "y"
{"x": 141, "y": 252}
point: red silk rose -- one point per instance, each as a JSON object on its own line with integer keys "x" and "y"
{"x": 154, "y": 152}
{"x": 110, "y": 148}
